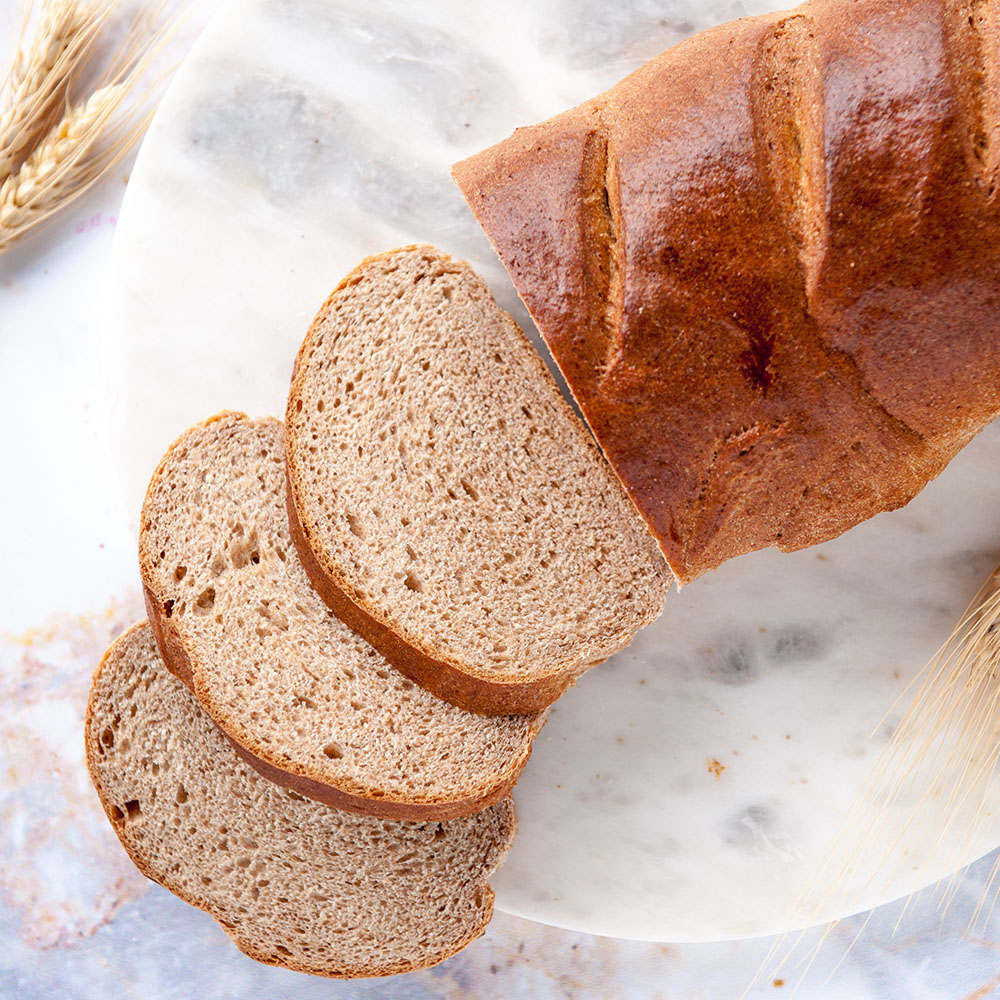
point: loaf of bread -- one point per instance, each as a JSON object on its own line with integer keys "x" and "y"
{"x": 445, "y": 499}
{"x": 304, "y": 700}
{"x": 768, "y": 264}
{"x": 293, "y": 882}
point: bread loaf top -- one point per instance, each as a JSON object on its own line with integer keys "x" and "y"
{"x": 293, "y": 882}
{"x": 768, "y": 264}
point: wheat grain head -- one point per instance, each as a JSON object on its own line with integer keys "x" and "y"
{"x": 40, "y": 75}
{"x": 93, "y": 134}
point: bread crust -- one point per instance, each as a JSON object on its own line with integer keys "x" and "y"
{"x": 461, "y": 684}
{"x": 768, "y": 349}
{"x": 360, "y": 972}
{"x": 349, "y": 796}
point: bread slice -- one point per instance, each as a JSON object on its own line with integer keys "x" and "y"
{"x": 293, "y": 882}
{"x": 311, "y": 704}
{"x": 445, "y": 499}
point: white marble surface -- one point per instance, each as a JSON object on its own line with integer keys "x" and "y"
{"x": 78, "y": 923}
{"x": 301, "y": 136}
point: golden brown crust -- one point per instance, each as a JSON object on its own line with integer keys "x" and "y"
{"x": 350, "y": 796}
{"x": 118, "y": 825}
{"x": 776, "y": 348}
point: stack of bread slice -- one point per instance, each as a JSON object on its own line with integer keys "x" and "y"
{"x": 357, "y": 621}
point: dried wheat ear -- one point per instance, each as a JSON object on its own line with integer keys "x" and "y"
{"x": 56, "y": 140}
{"x": 293, "y": 882}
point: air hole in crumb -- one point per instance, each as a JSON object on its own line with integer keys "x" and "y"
{"x": 355, "y": 525}
{"x": 116, "y": 814}
{"x": 281, "y": 948}
{"x": 320, "y": 406}
{"x": 168, "y": 608}
{"x": 108, "y": 737}
{"x": 469, "y": 488}
{"x": 298, "y": 406}
{"x": 133, "y": 812}
{"x": 182, "y": 795}
{"x": 180, "y": 573}
{"x": 205, "y": 602}
{"x": 243, "y": 551}
{"x": 414, "y": 583}
{"x": 334, "y": 751}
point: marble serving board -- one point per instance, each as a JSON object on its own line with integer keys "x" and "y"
{"x": 689, "y": 788}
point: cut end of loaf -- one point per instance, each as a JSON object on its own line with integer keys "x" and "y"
{"x": 293, "y": 882}
{"x": 446, "y": 488}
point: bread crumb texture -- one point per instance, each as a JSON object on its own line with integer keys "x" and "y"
{"x": 445, "y": 484}
{"x": 271, "y": 664}
{"x": 294, "y": 882}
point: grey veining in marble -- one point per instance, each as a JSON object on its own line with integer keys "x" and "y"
{"x": 689, "y": 788}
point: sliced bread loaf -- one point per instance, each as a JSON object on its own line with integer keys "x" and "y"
{"x": 293, "y": 882}
{"x": 308, "y": 702}
{"x": 445, "y": 499}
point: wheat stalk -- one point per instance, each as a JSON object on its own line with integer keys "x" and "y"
{"x": 942, "y": 758}
{"x": 40, "y": 75}
{"x": 66, "y": 161}
{"x": 93, "y": 134}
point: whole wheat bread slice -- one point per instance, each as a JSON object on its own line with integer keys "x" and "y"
{"x": 309, "y": 703}
{"x": 445, "y": 499}
{"x": 293, "y": 882}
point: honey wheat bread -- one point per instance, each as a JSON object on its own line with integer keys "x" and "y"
{"x": 447, "y": 502}
{"x": 304, "y": 699}
{"x": 293, "y": 882}
{"x": 768, "y": 264}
